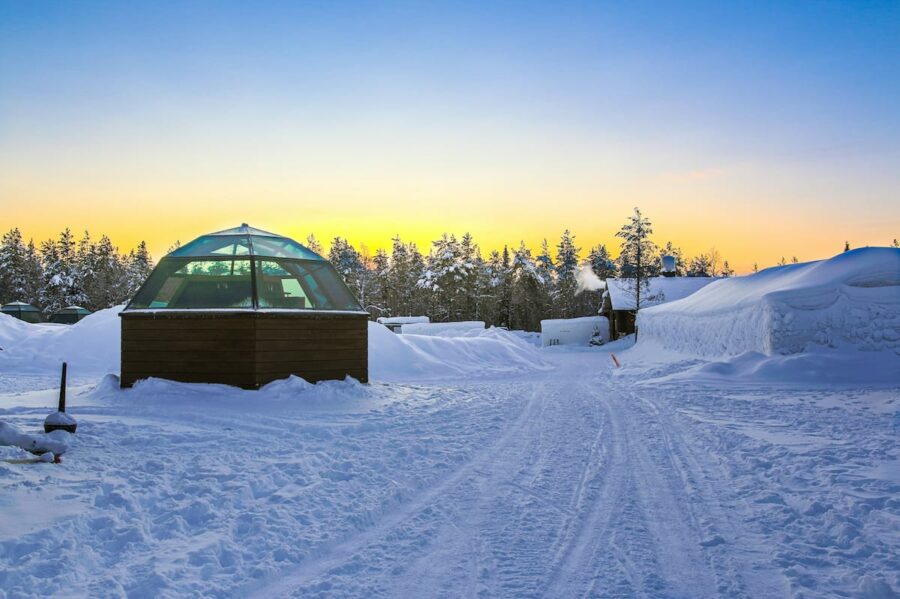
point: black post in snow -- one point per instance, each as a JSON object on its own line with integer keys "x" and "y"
{"x": 62, "y": 389}
{"x": 59, "y": 420}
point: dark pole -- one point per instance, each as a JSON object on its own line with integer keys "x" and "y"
{"x": 62, "y": 389}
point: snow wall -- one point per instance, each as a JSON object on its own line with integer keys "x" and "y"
{"x": 574, "y": 331}
{"x": 92, "y": 347}
{"x": 851, "y": 300}
{"x": 443, "y": 329}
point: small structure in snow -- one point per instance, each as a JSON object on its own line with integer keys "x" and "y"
{"x": 574, "y": 331}
{"x": 668, "y": 266}
{"x": 243, "y": 307}
{"x": 619, "y": 302}
{"x": 395, "y": 323}
{"x": 69, "y": 315}
{"x": 444, "y": 329}
{"x": 23, "y": 311}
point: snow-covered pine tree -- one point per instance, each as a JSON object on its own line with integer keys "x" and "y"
{"x": 348, "y": 263}
{"x": 529, "y": 299}
{"x": 566, "y": 268}
{"x": 107, "y": 286}
{"x": 14, "y": 285}
{"x": 700, "y": 266}
{"x": 446, "y": 277}
{"x": 601, "y": 263}
{"x": 380, "y": 298}
{"x": 313, "y": 244}
{"x": 638, "y": 254}
{"x": 138, "y": 265}
{"x": 61, "y": 286}
{"x": 727, "y": 271}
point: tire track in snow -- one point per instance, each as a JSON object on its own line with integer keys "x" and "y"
{"x": 340, "y": 553}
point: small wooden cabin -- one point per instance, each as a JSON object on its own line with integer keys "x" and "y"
{"x": 619, "y": 298}
{"x": 243, "y": 307}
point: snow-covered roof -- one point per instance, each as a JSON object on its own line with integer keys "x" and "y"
{"x": 851, "y": 301}
{"x": 403, "y": 319}
{"x": 662, "y": 290}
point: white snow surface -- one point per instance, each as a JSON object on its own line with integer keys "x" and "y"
{"x": 660, "y": 290}
{"x": 566, "y": 482}
{"x": 443, "y": 329}
{"x": 851, "y": 301}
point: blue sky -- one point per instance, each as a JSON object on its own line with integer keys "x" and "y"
{"x": 528, "y": 115}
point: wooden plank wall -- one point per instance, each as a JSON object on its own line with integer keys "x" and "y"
{"x": 247, "y": 349}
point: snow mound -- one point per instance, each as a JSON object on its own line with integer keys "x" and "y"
{"x": 492, "y": 351}
{"x": 443, "y": 329}
{"x": 849, "y": 302}
{"x": 12, "y": 330}
{"x": 91, "y": 345}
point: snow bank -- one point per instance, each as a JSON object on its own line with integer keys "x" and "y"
{"x": 574, "y": 331}
{"x": 90, "y": 346}
{"x": 443, "y": 329}
{"x": 851, "y": 301}
{"x": 492, "y": 351}
{"x": 13, "y": 330}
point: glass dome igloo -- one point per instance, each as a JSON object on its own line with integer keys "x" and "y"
{"x": 244, "y": 269}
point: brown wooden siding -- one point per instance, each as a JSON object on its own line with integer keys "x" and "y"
{"x": 246, "y": 349}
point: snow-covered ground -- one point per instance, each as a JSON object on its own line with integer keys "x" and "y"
{"x": 562, "y": 482}
{"x": 469, "y": 466}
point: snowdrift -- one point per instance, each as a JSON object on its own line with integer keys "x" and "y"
{"x": 492, "y": 351}
{"x": 851, "y": 302}
{"x": 443, "y": 329}
{"x": 92, "y": 347}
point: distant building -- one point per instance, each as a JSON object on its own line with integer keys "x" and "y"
{"x": 574, "y": 331}
{"x": 69, "y": 315}
{"x": 619, "y": 302}
{"x": 395, "y": 323}
{"x": 23, "y": 311}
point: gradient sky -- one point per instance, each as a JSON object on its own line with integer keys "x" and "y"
{"x": 763, "y": 129}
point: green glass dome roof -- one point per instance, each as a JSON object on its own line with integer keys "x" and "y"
{"x": 245, "y": 241}
{"x": 244, "y": 269}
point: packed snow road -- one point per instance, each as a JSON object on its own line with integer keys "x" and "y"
{"x": 567, "y": 482}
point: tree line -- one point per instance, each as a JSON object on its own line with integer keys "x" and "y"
{"x": 68, "y": 272}
{"x": 512, "y": 287}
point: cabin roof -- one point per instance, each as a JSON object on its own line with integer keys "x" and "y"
{"x": 662, "y": 290}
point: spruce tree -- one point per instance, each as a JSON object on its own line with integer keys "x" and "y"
{"x": 566, "y": 268}
{"x": 638, "y": 253}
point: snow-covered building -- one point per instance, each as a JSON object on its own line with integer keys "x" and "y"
{"x": 619, "y": 301}
{"x": 243, "y": 307}
{"x": 23, "y": 311}
{"x": 847, "y": 303}
{"x": 395, "y": 323}
{"x": 574, "y": 331}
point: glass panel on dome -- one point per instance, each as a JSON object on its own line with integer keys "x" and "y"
{"x": 214, "y": 245}
{"x": 188, "y": 284}
{"x": 282, "y": 247}
{"x": 301, "y": 285}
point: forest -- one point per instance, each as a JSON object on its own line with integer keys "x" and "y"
{"x": 454, "y": 280}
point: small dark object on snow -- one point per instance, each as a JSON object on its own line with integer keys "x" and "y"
{"x": 60, "y": 420}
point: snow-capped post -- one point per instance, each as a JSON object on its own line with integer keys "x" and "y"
{"x": 59, "y": 420}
